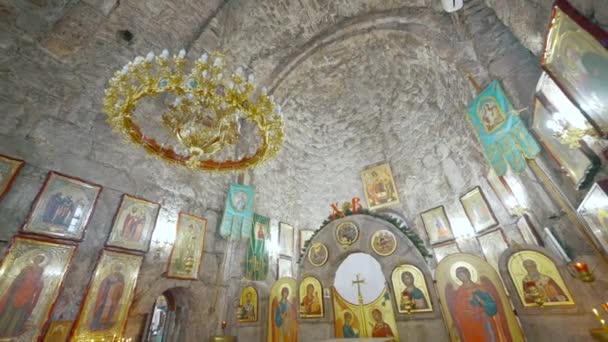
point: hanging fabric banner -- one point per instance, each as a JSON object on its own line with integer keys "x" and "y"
{"x": 257, "y": 256}
{"x": 238, "y": 213}
{"x": 504, "y": 137}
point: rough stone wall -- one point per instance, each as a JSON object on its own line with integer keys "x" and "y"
{"x": 56, "y": 59}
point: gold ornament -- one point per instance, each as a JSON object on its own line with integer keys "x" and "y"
{"x": 205, "y": 117}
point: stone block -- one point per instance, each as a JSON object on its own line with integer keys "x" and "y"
{"x": 70, "y": 33}
{"x": 104, "y": 6}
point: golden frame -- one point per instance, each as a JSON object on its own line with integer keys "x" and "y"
{"x": 81, "y": 196}
{"x": 242, "y": 318}
{"x": 317, "y": 297}
{"x": 42, "y": 264}
{"x": 346, "y": 239}
{"x": 13, "y": 166}
{"x": 182, "y": 266}
{"x": 549, "y": 280}
{"x": 379, "y": 175}
{"x": 99, "y": 318}
{"x": 573, "y": 47}
{"x": 141, "y": 207}
{"x": 291, "y": 310}
{"x": 377, "y": 249}
{"x": 419, "y": 282}
{"x": 459, "y": 302}
{"x": 58, "y": 331}
{"x": 315, "y": 247}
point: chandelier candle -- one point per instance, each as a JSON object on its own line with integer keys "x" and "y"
{"x": 203, "y": 122}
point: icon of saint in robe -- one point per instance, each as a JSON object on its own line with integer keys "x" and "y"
{"x": 107, "y": 303}
{"x": 259, "y": 228}
{"x": 248, "y": 310}
{"x": 20, "y": 299}
{"x": 550, "y": 291}
{"x": 59, "y": 210}
{"x": 133, "y": 226}
{"x": 284, "y": 324}
{"x": 411, "y": 292}
{"x": 347, "y": 330}
{"x": 477, "y": 310}
{"x": 311, "y": 304}
{"x": 440, "y": 228}
{"x": 380, "y": 328}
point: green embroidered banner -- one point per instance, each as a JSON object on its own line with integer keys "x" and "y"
{"x": 238, "y": 213}
{"x": 504, "y": 137}
{"x": 257, "y": 256}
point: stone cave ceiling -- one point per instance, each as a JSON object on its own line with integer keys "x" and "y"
{"x": 361, "y": 82}
{"x": 382, "y": 95}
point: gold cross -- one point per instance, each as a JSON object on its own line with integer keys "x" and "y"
{"x": 358, "y": 282}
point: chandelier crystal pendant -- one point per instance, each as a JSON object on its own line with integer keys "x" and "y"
{"x": 204, "y": 119}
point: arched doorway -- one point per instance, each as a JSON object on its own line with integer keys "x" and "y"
{"x": 162, "y": 319}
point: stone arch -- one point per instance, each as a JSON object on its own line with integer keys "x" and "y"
{"x": 409, "y": 326}
{"x": 182, "y": 299}
{"x": 425, "y": 24}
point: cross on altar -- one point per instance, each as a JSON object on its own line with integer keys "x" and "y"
{"x": 358, "y": 282}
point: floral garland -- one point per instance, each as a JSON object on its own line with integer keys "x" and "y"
{"x": 409, "y": 233}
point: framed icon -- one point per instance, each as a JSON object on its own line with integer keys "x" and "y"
{"x": 437, "y": 225}
{"x": 478, "y": 211}
{"x": 63, "y": 207}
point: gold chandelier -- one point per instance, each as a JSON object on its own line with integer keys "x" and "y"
{"x": 203, "y": 121}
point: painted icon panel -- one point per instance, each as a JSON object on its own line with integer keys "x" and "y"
{"x": 318, "y": 254}
{"x": 311, "y": 298}
{"x": 474, "y": 302}
{"x": 31, "y": 276}
{"x": 9, "y": 168}
{"x": 347, "y": 233}
{"x": 437, "y": 225}
{"x": 379, "y": 186}
{"x": 375, "y": 319}
{"x": 185, "y": 259}
{"x": 478, "y": 211}
{"x": 283, "y": 316}
{"x": 103, "y": 313}
{"x": 63, "y": 207}
{"x": 384, "y": 242}
{"x": 59, "y": 331}
{"x": 534, "y": 274}
{"x": 410, "y": 290}
{"x": 134, "y": 224}
{"x": 248, "y": 308}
